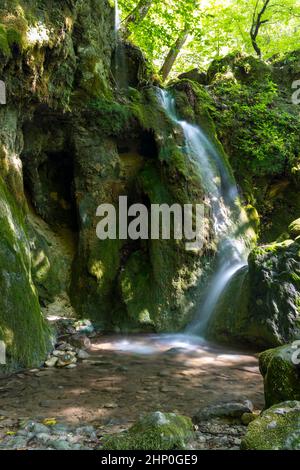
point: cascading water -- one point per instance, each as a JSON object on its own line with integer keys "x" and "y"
{"x": 222, "y": 192}
{"x": 117, "y": 19}
{"x": 119, "y": 66}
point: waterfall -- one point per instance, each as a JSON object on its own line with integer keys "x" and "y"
{"x": 222, "y": 192}
{"x": 117, "y": 19}
{"x": 120, "y": 64}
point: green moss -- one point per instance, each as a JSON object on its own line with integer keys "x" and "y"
{"x": 294, "y": 228}
{"x": 281, "y": 375}
{"x": 22, "y": 327}
{"x": 139, "y": 299}
{"x": 276, "y": 429}
{"x": 113, "y": 118}
{"x": 156, "y": 431}
{"x": 4, "y": 45}
{"x": 15, "y": 39}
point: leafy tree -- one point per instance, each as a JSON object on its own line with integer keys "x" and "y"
{"x": 180, "y": 35}
{"x": 137, "y": 15}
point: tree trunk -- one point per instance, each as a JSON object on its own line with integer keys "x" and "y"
{"x": 136, "y": 16}
{"x": 257, "y": 23}
{"x": 173, "y": 54}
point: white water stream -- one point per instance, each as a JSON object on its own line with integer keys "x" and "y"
{"x": 222, "y": 192}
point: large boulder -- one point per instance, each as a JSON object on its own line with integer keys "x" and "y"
{"x": 155, "y": 431}
{"x": 260, "y": 306}
{"x": 281, "y": 372}
{"x": 276, "y": 429}
{"x": 274, "y": 274}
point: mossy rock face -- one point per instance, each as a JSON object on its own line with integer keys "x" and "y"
{"x": 51, "y": 256}
{"x": 135, "y": 285}
{"x": 30, "y": 33}
{"x": 281, "y": 373}
{"x": 244, "y": 68}
{"x": 260, "y": 306}
{"x": 155, "y": 431}
{"x": 274, "y": 278}
{"x": 294, "y": 228}
{"x": 22, "y": 326}
{"x": 230, "y": 322}
{"x": 276, "y": 429}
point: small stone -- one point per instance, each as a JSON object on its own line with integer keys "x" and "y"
{"x": 227, "y": 411}
{"x": 61, "y": 445}
{"x": 66, "y": 360}
{"x": 46, "y": 403}
{"x": 19, "y": 442}
{"x": 163, "y": 373}
{"x": 247, "y": 418}
{"x": 81, "y": 354}
{"x": 122, "y": 369}
{"x": 71, "y": 366}
{"x": 81, "y": 341}
{"x": 51, "y": 362}
{"x": 57, "y": 353}
{"x": 111, "y": 405}
{"x": 43, "y": 437}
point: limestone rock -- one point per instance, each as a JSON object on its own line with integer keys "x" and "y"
{"x": 227, "y": 411}
{"x": 276, "y": 429}
{"x": 281, "y": 372}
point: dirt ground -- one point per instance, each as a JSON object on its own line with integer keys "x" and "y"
{"x": 119, "y": 381}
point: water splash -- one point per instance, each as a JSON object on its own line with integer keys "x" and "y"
{"x": 222, "y": 192}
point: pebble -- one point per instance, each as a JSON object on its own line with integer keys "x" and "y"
{"x": 51, "y": 362}
{"x": 61, "y": 445}
{"x": 81, "y": 354}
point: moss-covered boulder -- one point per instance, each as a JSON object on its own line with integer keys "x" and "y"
{"x": 274, "y": 276}
{"x": 22, "y": 327}
{"x": 276, "y": 429}
{"x": 260, "y": 306}
{"x": 281, "y": 372}
{"x": 294, "y": 228}
{"x": 155, "y": 431}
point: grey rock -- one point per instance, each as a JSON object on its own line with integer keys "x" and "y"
{"x": 230, "y": 411}
{"x": 81, "y": 354}
{"x": 43, "y": 437}
{"x": 61, "y": 445}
